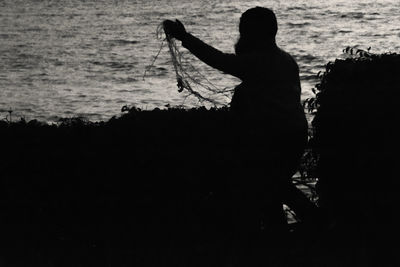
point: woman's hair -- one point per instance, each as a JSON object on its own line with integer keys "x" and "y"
{"x": 257, "y": 27}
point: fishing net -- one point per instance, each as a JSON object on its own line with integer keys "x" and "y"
{"x": 189, "y": 79}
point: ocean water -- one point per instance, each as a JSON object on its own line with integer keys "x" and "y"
{"x": 87, "y": 57}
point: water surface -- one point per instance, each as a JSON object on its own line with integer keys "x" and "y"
{"x": 87, "y": 58}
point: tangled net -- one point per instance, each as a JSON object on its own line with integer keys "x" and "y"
{"x": 188, "y": 78}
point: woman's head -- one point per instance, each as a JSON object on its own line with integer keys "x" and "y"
{"x": 257, "y": 27}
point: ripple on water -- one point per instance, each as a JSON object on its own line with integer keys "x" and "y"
{"x": 103, "y": 47}
{"x": 353, "y": 15}
{"x": 122, "y": 42}
{"x": 122, "y": 80}
{"x": 308, "y": 58}
{"x": 298, "y": 24}
{"x": 113, "y": 64}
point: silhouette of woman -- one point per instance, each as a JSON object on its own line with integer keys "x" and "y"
{"x": 270, "y": 123}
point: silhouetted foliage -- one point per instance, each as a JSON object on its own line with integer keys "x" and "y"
{"x": 122, "y": 191}
{"x": 97, "y": 189}
{"x": 118, "y": 189}
{"x": 354, "y": 137}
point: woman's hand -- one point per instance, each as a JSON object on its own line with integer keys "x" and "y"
{"x": 174, "y": 29}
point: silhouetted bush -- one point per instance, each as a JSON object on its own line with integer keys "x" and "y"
{"x": 99, "y": 189}
{"x": 120, "y": 191}
{"x": 134, "y": 183}
{"x": 355, "y": 132}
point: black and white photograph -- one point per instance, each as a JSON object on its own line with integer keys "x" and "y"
{"x": 218, "y": 133}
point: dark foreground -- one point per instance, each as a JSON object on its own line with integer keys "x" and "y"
{"x": 148, "y": 188}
